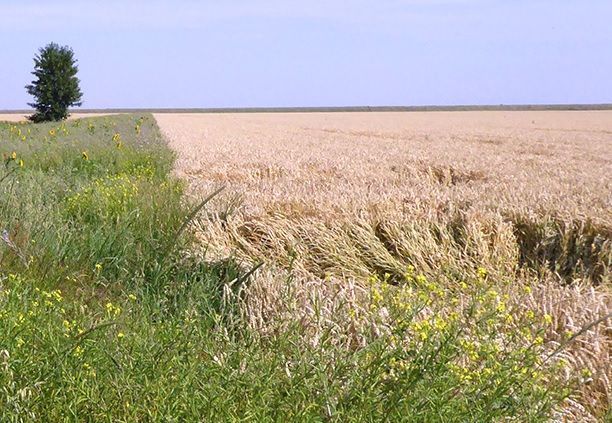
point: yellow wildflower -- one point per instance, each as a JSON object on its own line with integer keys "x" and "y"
{"x": 440, "y": 324}
{"x": 482, "y": 272}
{"x": 57, "y": 294}
{"x": 113, "y": 310}
{"x": 376, "y": 296}
{"x": 117, "y": 140}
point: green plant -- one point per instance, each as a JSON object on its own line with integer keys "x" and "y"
{"x": 56, "y": 86}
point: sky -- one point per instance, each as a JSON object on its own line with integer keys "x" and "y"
{"x": 283, "y": 53}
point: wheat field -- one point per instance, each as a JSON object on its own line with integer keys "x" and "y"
{"x": 329, "y": 164}
{"x": 520, "y": 167}
{"x": 326, "y": 200}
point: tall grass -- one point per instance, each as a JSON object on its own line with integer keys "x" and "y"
{"x": 107, "y": 312}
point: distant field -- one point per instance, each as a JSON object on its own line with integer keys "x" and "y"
{"x": 341, "y": 196}
{"x": 336, "y": 109}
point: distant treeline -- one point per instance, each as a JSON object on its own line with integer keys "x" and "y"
{"x": 501, "y": 107}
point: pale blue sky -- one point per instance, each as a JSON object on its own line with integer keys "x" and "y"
{"x": 244, "y": 53}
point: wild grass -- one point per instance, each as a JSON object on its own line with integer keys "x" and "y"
{"x": 81, "y": 205}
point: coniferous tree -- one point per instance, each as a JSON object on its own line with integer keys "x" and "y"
{"x": 56, "y": 86}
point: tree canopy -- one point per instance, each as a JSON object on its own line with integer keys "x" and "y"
{"x": 56, "y": 87}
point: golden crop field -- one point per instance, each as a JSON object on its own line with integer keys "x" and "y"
{"x": 329, "y": 200}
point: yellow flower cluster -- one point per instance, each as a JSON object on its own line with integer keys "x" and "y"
{"x": 16, "y": 133}
{"x": 71, "y": 328}
{"x": 415, "y": 316}
{"x": 21, "y": 314}
{"x": 112, "y": 310}
{"x": 117, "y": 140}
{"x": 104, "y": 197}
{"x": 138, "y": 125}
{"x": 13, "y": 158}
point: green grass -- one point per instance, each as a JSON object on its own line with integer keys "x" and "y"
{"x": 105, "y": 315}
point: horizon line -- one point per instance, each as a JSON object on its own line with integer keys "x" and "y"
{"x": 327, "y": 109}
